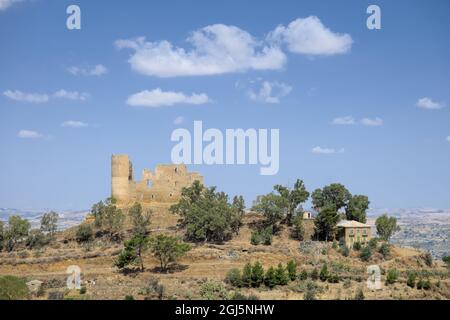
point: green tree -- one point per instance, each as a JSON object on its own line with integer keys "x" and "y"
{"x": 281, "y": 275}
{"x": 257, "y": 275}
{"x": 386, "y": 226}
{"x": 334, "y": 195}
{"x": 237, "y": 214}
{"x": 108, "y": 217}
{"x": 207, "y": 214}
{"x": 140, "y": 220}
{"x": 325, "y": 223}
{"x": 49, "y": 223}
{"x": 272, "y": 206}
{"x": 270, "y": 279}
{"x": 84, "y": 233}
{"x": 299, "y": 229}
{"x": 446, "y": 260}
{"x": 385, "y": 250}
{"x": 2, "y": 235}
{"x": 357, "y": 207}
{"x": 324, "y": 274}
{"x": 167, "y": 249}
{"x": 247, "y": 275}
{"x": 16, "y": 231}
{"x": 292, "y": 269}
{"x": 36, "y": 239}
{"x": 13, "y": 288}
{"x": 132, "y": 252}
{"x": 292, "y": 198}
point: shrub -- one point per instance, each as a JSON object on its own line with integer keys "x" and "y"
{"x": 281, "y": 275}
{"x": 13, "y": 288}
{"x": 324, "y": 273}
{"x": 446, "y": 260}
{"x": 240, "y": 296}
{"x": 392, "y": 276}
{"x": 55, "y": 295}
{"x": 359, "y": 294}
{"x": 373, "y": 243}
{"x": 234, "y": 277}
{"x": 357, "y": 246}
{"x": 333, "y": 278}
{"x": 428, "y": 259}
{"x": 213, "y": 291}
{"x": 270, "y": 279}
{"x": 345, "y": 251}
{"x": 83, "y": 290}
{"x": 315, "y": 274}
{"x": 36, "y": 239}
{"x": 303, "y": 275}
{"x": 292, "y": 270}
{"x": 411, "y": 282}
{"x": 255, "y": 238}
{"x": 84, "y": 233}
{"x": 129, "y": 297}
{"x": 335, "y": 244}
{"x": 366, "y": 253}
{"x": 424, "y": 284}
{"x": 155, "y": 288}
{"x": 257, "y": 275}
{"x": 310, "y": 293}
{"x": 385, "y": 250}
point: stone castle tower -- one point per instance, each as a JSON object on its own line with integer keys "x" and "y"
{"x": 160, "y": 187}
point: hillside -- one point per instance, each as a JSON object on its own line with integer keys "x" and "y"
{"x": 206, "y": 262}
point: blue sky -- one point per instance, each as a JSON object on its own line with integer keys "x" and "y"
{"x": 367, "y": 108}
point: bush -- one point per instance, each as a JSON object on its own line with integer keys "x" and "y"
{"x": 240, "y": 296}
{"x": 315, "y": 274}
{"x": 411, "y": 282}
{"x": 345, "y": 251}
{"x": 36, "y": 239}
{"x": 357, "y": 246}
{"x": 373, "y": 243}
{"x": 13, "y": 288}
{"x": 428, "y": 259}
{"x": 366, "y": 253}
{"x": 303, "y": 275}
{"x": 281, "y": 275}
{"x": 446, "y": 260}
{"x": 84, "y": 233}
{"x": 292, "y": 270}
{"x": 335, "y": 244}
{"x": 56, "y": 295}
{"x": 234, "y": 277}
{"x": 424, "y": 284}
{"x": 392, "y": 276}
{"x": 324, "y": 273}
{"x": 385, "y": 250}
{"x": 83, "y": 290}
{"x": 213, "y": 291}
{"x": 154, "y": 288}
{"x": 333, "y": 278}
{"x": 263, "y": 236}
{"x": 359, "y": 294}
{"x": 310, "y": 293}
{"x": 128, "y": 297}
{"x": 257, "y": 275}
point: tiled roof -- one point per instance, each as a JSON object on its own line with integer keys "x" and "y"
{"x": 352, "y": 224}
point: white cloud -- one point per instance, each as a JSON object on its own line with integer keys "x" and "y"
{"x": 320, "y": 150}
{"x": 448, "y": 138}
{"x": 97, "y": 70}
{"x": 5, "y": 4}
{"x": 158, "y": 98}
{"x": 347, "y": 120}
{"x": 216, "y": 49}
{"x": 309, "y": 36}
{"x": 372, "y": 122}
{"x": 428, "y": 103}
{"x": 178, "y": 120}
{"x": 26, "y": 97}
{"x": 71, "y": 95}
{"x": 28, "y": 134}
{"x": 270, "y": 92}
{"x": 73, "y": 124}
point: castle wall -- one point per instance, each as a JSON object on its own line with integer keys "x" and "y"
{"x": 162, "y": 186}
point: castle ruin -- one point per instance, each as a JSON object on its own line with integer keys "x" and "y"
{"x": 160, "y": 187}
